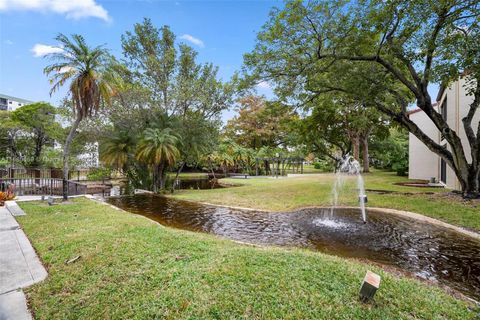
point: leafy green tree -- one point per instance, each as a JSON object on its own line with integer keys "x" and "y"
{"x": 87, "y": 69}
{"x": 391, "y": 152}
{"x": 383, "y": 53}
{"x": 176, "y": 82}
{"x": 260, "y": 123}
{"x": 28, "y": 130}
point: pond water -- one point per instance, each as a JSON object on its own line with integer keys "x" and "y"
{"x": 428, "y": 251}
{"x": 194, "y": 183}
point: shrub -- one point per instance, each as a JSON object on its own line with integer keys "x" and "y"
{"x": 324, "y": 166}
{"x": 99, "y": 174}
{"x": 6, "y": 196}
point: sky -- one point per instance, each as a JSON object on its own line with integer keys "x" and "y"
{"x": 221, "y": 32}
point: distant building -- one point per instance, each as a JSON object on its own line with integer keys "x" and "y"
{"x": 9, "y": 103}
{"x": 453, "y": 104}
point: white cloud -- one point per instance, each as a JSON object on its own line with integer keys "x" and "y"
{"x": 264, "y": 85}
{"x": 72, "y": 9}
{"x": 193, "y": 40}
{"x": 40, "y": 50}
{"x": 65, "y": 69}
{"x": 9, "y": 42}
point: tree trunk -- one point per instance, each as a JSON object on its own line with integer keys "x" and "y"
{"x": 366, "y": 165}
{"x": 160, "y": 183}
{"x": 471, "y": 183}
{"x": 356, "y": 147}
{"x": 66, "y": 154}
{"x": 176, "y": 176}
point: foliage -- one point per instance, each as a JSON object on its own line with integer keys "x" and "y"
{"x": 260, "y": 123}
{"x": 165, "y": 113}
{"x": 97, "y": 174}
{"x": 91, "y": 75}
{"x": 392, "y": 151}
{"x": 28, "y": 130}
{"x": 381, "y": 53}
{"x": 324, "y": 165}
{"x": 6, "y": 196}
{"x": 176, "y": 83}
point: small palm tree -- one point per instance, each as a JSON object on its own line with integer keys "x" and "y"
{"x": 158, "y": 148}
{"x": 117, "y": 150}
{"x": 87, "y": 70}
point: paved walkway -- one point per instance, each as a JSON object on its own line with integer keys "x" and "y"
{"x": 19, "y": 268}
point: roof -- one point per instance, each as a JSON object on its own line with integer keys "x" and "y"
{"x": 24, "y": 101}
{"x": 418, "y": 109}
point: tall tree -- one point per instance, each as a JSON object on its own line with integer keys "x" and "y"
{"x": 176, "y": 82}
{"x": 260, "y": 123}
{"x": 386, "y": 53}
{"x": 87, "y": 69}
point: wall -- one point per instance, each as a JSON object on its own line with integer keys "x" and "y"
{"x": 423, "y": 164}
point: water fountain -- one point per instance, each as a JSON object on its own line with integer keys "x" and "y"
{"x": 349, "y": 166}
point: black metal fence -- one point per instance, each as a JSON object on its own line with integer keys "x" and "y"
{"x": 42, "y": 186}
{"x": 43, "y": 173}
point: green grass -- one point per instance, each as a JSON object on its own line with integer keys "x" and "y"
{"x": 132, "y": 268}
{"x": 290, "y": 193}
{"x": 309, "y": 168}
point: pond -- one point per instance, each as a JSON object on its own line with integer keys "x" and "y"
{"x": 194, "y": 183}
{"x": 428, "y": 251}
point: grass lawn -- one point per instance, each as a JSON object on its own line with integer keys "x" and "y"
{"x": 309, "y": 168}
{"x": 132, "y": 268}
{"x": 315, "y": 190}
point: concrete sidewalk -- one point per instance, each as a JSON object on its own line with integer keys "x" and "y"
{"x": 20, "y": 268}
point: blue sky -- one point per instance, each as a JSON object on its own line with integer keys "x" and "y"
{"x": 221, "y": 31}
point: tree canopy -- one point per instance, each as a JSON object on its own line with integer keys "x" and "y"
{"x": 384, "y": 54}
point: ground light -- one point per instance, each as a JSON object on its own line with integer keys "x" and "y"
{"x": 369, "y": 287}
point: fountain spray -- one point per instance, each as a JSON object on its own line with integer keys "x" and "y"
{"x": 348, "y": 165}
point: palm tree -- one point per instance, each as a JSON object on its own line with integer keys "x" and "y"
{"x": 86, "y": 68}
{"x": 158, "y": 148}
{"x": 117, "y": 149}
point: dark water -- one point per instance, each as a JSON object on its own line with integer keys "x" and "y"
{"x": 194, "y": 183}
{"x": 428, "y": 251}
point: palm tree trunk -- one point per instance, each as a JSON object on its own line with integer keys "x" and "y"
{"x": 161, "y": 176}
{"x": 66, "y": 154}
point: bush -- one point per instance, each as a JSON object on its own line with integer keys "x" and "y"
{"x": 99, "y": 174}
{"x": 6, "y": 196}
{"x": 324, "y": 166}
{"x": 400, "y": 167}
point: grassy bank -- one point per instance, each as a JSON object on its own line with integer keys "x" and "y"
{"x": 131, "y": 268}
{"x": 315, "y": 190}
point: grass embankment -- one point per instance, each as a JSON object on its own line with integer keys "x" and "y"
{"x": 131, "y": 268}
{"x": 315, "y": 190}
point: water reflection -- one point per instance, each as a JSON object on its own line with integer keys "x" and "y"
{"x": 428, "y": 251}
